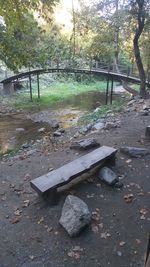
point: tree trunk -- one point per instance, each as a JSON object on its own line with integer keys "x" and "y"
{"x": 138, "y": 32}
{"x": 116, "y": 38}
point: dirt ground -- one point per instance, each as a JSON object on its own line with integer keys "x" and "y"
{"x": 30, "y": 233}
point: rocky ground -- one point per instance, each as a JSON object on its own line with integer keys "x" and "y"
{"x": 31, "y": 235}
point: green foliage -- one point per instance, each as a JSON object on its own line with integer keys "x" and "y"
{"x": 19, "y": 32}
{"x": 116, "y": 106}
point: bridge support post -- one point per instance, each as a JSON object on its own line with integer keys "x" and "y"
{"x": 38, "y": 85}
{"x": 30, "y": 85}
{"x": 107, "y": 90}
{"x": 111, "y": 94}
{"x": 8, "y": 88}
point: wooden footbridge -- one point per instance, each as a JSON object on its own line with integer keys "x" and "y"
{"x": 105, "y": 71}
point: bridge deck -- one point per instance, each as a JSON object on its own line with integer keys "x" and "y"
{"x": 116, "y": 76}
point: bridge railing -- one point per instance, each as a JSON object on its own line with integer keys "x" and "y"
{"x": 86, "y": 64}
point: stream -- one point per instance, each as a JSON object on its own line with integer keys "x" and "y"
{"x": 18, "y": 129}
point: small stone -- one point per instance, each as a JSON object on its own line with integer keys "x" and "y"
{"x": 75, "y": 215}
{"x": 131, "y": 102}
{"x": 54, "y": 124}
{"x": 134, "y": 152}
{"x": 110, "y": 125}
{"x": 145, "y": 107}
{"x": 98, "y": 126}
{"x": 57, "y": 134}
{"x": 119, "y": 253}
{"x": 118, "y": 184}
{"x": 41, "y": 130}
{"x": 144, "y": 112}
{"x": 20, "y": 130}
{"x": 25, "y": 145}
{"x": 108, "y": 176}
{"x": 62, "y": 130}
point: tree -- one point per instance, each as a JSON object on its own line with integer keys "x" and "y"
{"x": 20, "y": 33}
{"x": 139, "y": 11}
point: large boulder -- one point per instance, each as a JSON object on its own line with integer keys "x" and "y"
{"x": 75, "y": 215}
{"x": 84, "y": 144}
{"x": 108, "y": 176}
{"x": 134, "y": 152}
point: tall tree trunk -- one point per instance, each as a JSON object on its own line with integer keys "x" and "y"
{"x": 138, "y": 32}
{"x": 74, "y": 30}
{"x": 116, "y": 37}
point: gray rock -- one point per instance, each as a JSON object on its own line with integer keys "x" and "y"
{"x": 31, "y": 152}
{"x": 20, "y": 130}
{"x": 25, "y": 145}
{"x": 131, "y": 102}
{"x": 141, "y": 101}
{"x": 110, "y": 125}
{"x": 75, "y": 215}
{"x": 134, "y": 152}
{"x": 57, "y": 134}
{"x": 54, "y": 124}
{"x": 85, "y": 144}
{"x": 108, "y": 176}
{"x": 61, "y": 130}
{"x": 118, "y": 184}
{"x": 145, "y": 107}
{"x": 85, "y": 129}
{"x": 144, "y": 112}
{"x": 98, "y": 126}
{"x": 41, "y": 130}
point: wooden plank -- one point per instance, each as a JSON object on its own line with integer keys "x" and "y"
{"x": 68, "y": 172}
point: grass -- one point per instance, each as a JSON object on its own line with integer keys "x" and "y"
{"x": 10, "y": 152}
{"x": 54, "y": 92}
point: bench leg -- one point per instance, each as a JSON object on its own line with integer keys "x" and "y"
{"x": 51, "y": 197}
{"x": 112, "y": 161}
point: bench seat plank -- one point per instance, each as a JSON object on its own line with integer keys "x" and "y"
{"x": 71, "y": 170}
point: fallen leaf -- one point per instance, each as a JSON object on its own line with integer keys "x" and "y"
{"x": 75, "y": 255}
{"x": 128, "y": 160}
{"x": 26, "y": 203}
{"x": 105, "y": 235}
{"x": 77, "y": 248}
{"x": 17, "y": 212}
{"x": 119, "y": 253}
{"x": 142, "y": 217}
{"x": 128, "y": 198}
{"x": 15, "y": 220}
{"x": 96, "y": 215}
{"x": 27, "y": 177}
{"x": 31, "y": 257}
{"x": 95, "y": 229}
{"x": 143, "y": 211}
{"x": 3, "y": 198}
{"x": 138, "y": 241}
{"x": 122, "y": 243}
{"x": 49, "y": 229}
{"x": 140, "y": 194}
{"x": 41, "y": 220}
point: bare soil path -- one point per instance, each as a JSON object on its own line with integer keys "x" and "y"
{"x": 29, "y": 230}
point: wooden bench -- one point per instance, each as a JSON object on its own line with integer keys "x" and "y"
{"x": 65, "y": 174}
